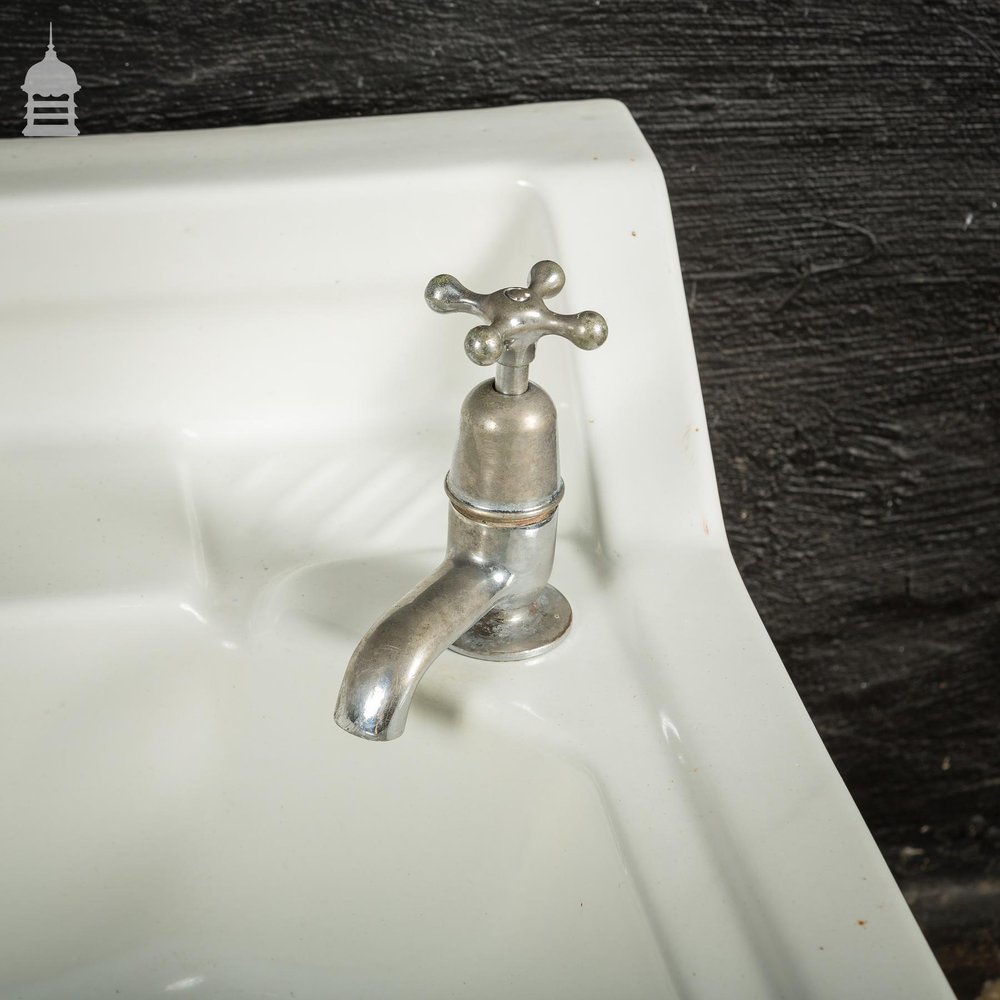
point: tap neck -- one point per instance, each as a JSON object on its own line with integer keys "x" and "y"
{"x": 511, "y": 380}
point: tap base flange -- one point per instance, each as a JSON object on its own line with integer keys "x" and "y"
{"x": 518, "y": 633}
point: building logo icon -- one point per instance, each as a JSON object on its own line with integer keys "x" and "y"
{"x": 50, "y": 86}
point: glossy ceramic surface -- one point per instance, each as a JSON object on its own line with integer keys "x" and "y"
{"x": 225, "y": 417}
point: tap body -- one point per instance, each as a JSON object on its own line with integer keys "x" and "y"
{"x": 490, "y": 597}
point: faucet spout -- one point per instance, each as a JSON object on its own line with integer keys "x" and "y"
{"x": 390, "y": 660}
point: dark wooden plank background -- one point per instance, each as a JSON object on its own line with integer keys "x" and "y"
{"x": 835, "y": 175}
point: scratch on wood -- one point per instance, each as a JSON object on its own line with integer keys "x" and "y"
{"x": 816, "y": 270}
{"x": 979, "y": 41}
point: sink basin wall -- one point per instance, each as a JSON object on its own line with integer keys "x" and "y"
{"x": 168, "y": 844}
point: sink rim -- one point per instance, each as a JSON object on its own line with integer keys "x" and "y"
{"x": 715, "y": 714}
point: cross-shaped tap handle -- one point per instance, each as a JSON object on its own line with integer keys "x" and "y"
{"x": 516, "y": 318}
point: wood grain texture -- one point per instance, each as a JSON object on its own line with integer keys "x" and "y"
{"x": 835, "y": 175}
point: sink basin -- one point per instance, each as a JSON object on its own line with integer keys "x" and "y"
{"x": 225, "y": 417}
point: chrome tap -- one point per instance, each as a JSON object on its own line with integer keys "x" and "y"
{"x": 490, "y": 597}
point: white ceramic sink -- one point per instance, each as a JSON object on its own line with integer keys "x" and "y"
{"x": 225, "y": 418}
